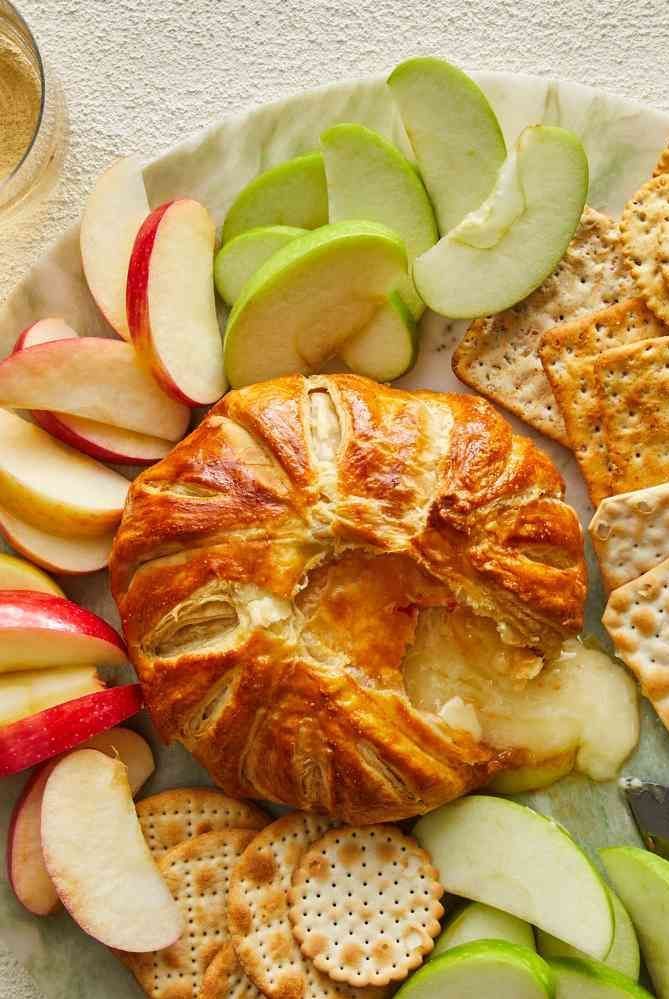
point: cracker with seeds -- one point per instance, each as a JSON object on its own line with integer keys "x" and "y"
{"x": 499, "y": 355}
{"x": 197, "y": 873}
{"x": 630, "y": 534}
{"x": 637, "y": 619}
{"x": 568, "y": 353}
{"x": 365, "y": 906}
{"x": 662, "y": 165}
{"x": 640, "y": 227}
{"x": 258, "y": 913}
{"x": 633, "y": 384}
{"x": 171, "y": 817}
{"x": 225, "y": 978}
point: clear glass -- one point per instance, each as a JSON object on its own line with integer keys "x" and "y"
{"x": 33, "y": 119}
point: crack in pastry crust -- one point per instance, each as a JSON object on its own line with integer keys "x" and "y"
{"x": 269, "y": 573}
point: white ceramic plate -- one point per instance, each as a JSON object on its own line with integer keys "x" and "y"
{"x": 622, "y": 140}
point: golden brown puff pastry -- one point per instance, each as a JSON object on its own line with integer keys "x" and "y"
{"x": 270, "y": 571}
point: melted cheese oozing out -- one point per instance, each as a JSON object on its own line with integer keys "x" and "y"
{"x": 581, "y": 703}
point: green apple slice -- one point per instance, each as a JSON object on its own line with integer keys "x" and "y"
{"x": 496, "y": 851}
{"x": 533, "y": 777}
{"x": 641, "y": 879}
{"x": 505, "y": 249}
{"x": 387, "y": 347}
{"x": 309, "y": 298}
{"x": 624, "y": 954}
{"x": 485, "y": 968}
{"x": 477, "y": 921}
{"x": 368, "y": 178}
{"x": 239, "y": 259}
{"x": 454, "y": 133}
{"x": 293, "y": 193}
{"x": 578, "y": 978}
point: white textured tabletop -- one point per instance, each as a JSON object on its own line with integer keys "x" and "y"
{"x": 140, "y": 74}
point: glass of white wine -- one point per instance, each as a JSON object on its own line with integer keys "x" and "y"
{"x": 33, "y": 120}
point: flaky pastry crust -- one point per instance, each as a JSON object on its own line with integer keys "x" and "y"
{"x": 269, "y": 573}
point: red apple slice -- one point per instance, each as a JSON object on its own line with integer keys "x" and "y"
{"x": 52, "y": 486}
{"x": 114, "y": 211}
{"x": 25, "y": 863}
{"x": 95, "y": 378}
{"x": 40, "y": 631}
{"x": 49, "y": 733}
{"x": 171, "y": 305}
{"x": 17, "y": 574}
{"x": 27, "y": 692}
{"x": 99, "y": 440}
{"x": 98, "y": 860}
{"x": 70, "y": 556}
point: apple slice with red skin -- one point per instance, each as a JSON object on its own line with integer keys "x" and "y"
{"x": 56, "y": 730}
{"x": 171, "y": 305}
{"x": 112, "y": 216}
{"x": 40, "y": 631}
{"x": 99, "y": 440}
{"x": 68, "y": 556}
{"x": 98, "y": 859}
{"x": 26, "y": 872}
{"x": 95, "y": 378}
{"x": 18, "y": 574}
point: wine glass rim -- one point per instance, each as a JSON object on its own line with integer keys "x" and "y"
{"x": 40, "y": 66}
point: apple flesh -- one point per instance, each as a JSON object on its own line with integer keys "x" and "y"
{"x": 455, "y": 135}
{"x": 368, "y": 178}
{"x": 499, "y": 852}
{"x": 40, "y": 631}
{"x": 26, "y": 871}
{"x": 94, "y": 378}
{"x": 477, "y": 921}
{"x": 485, "y": 968}
{"x": 310, "y": 298}
{"x": 238, "y": 260}
{"x": 501, "y": 252}
{"x": 56, "y": 730}
{"x": 624, "y": 955}
{"x": 54, "y": 487}
{"x": 293, "y": 194}
{"x": 106, "y": 443}
{"x": 388, "y": 345}
{"x": 70, "y": 556}
{"x": 27, "y": 692}
{"x": 17, "y": 574}
{"x": 533, "y": 777}
{"x": 112, "y": 216}
{"x": 578, "y": 978}
{"x": 641, "y": 880}
{"x": 98, "y": 860}
{"x": 170, "y": 302}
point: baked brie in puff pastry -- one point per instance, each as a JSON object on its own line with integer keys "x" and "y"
{"x": 295, "y": 577}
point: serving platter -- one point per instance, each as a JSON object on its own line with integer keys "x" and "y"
{"x": 622, "y": 140}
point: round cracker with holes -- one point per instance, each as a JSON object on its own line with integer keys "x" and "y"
{"x": 197, "y": 873}
{"x": 225, "y": 978}
{"x": 258, "y": 914}
{"x": 365, "y": 906}
{"x": 171, "y": 817}
{"x": 641, "y": 227}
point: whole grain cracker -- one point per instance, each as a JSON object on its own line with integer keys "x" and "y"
{"x": 365, "y": 906}
{"x": 258, "y": 913}
{"x": 640, "y": 225}
{"x": 197, "y": 873}
{"x": 568, "y": 353}
{"x": 171, "y": 817}
{"x": 225, "y": 978}
{"x": 662, "y": 165}
{"x": 499, "y": 355}
{"x": 630, "y": 534}
{"x": 633, "y": 384}
{"x": 637, "y": 619}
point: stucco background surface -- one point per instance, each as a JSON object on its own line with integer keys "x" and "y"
{"x": 141, "y": 74}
